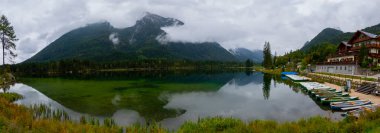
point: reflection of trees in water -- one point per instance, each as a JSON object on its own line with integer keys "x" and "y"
{"x": 242, "y": 79}
{"x": 248, "y": 72}
{"x": 266, "y": 85}
{"x": 284, "y": 80}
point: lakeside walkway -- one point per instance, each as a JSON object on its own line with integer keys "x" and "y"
{"x": 342, "y": 78}
{"x": 372, "y": 98}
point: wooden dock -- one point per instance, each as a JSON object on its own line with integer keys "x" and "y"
{"x": 297, "y": 78}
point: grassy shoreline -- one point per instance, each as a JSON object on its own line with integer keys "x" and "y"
{"x": 18, "y": 118}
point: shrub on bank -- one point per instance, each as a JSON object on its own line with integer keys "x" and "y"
{"x": 11, "y": 96}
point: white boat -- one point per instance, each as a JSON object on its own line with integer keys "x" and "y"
{"x": 297, "y": 78}
{"x": 313, "y": 85}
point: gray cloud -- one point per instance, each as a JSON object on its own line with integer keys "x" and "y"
{"x": 232, "y": 23}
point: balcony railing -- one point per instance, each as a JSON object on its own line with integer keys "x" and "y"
{"x": 371, "y": 45}
{"x": 343, "y": 54}
{"x": 374, "y": 55}
{"x": 338, "y": 63}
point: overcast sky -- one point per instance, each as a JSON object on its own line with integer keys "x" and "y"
{"x": 286, "y": 24}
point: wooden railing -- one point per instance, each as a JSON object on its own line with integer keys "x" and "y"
{"x": 374, "y": 55}
{"x": 337, "y": 63}
{"x": 371, "y": 45}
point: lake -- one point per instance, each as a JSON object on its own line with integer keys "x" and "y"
{"x": 172, "y": 99}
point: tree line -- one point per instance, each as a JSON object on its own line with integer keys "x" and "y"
{"x": 75, "y": 66}
{"x": 317, "y": 53}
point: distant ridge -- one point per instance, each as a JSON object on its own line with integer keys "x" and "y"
{"x": 334, "y": 36}
{"x": 242, "y": 54}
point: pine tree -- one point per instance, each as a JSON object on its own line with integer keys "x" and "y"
{"x": 267, "y": 63}
{"x": 363, "y": 52}
{"x": 248, "y": 63}
{"x": 7, "y": 37}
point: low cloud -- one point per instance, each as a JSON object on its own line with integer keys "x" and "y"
{"x": 114, "y": 38}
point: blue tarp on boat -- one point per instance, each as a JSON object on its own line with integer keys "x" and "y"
{"x": 289, "y": 73}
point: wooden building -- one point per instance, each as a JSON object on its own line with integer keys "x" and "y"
{"x": 346, "y": 58}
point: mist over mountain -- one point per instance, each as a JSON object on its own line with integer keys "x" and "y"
{"x": 145, "y": 40}
{"x": 242, "y": 54}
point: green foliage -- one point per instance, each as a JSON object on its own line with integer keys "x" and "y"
{"x": 78, "y": 67}
{"x": 267, "y": 63}
{"x": 7, "y": 38}
{"x": 320, "y": 52}
{"x": 11, "y": 96}
{"x": 315, "y": 54}
{"x": 366, "y": 123}
{"x": 248, "y": 63}
{"x": 363, "y": 52}
{"x": 215, "y": 124}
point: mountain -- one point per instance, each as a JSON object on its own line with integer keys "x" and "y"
{"x": 242, "y": 54}
{"x": 326, "y": 35}
{"x": 335, "y": 36}
{"x": 145, "y": 40}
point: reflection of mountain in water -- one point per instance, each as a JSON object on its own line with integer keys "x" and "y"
{"x": 103, "y": 97}
{"x": 32, "y": 97}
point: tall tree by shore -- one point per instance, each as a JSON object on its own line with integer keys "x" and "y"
{"x": 267, "y": 63}
{"x": 7, "y": 37}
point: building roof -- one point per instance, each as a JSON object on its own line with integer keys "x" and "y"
{"x": 346, "y": 43}
{"x": 359, "y": 32}
{"x": 368, "y": 34}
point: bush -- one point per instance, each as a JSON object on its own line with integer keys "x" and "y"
{"x": 11, "y": 97}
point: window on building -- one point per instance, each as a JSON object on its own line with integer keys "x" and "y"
{"x": 345, "y": 67}
{"x": 340, "y": 67}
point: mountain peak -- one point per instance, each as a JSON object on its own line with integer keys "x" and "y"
{"x": 104, "y": 24}
{"x": 332, "y": 30}
{"x": 326, "y": 35}
{"x": 156, "y": 20}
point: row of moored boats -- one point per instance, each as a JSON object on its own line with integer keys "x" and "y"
{"x": 336, "y": 99}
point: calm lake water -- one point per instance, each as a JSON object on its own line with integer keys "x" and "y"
{"x": 173, "y": 99}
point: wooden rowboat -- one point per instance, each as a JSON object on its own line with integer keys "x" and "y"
{"x": 348, "y": 104}
{"x": 337, "y": 99}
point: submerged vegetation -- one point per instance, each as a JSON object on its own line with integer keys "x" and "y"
{"x": 39, "y": 118}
